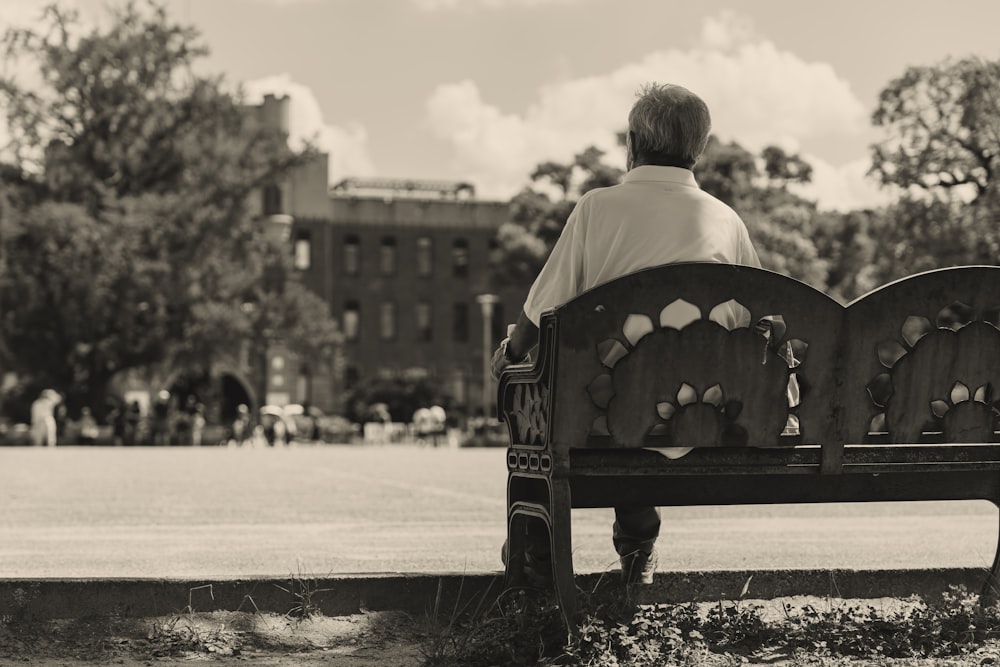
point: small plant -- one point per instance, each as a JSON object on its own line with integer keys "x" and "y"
{"x": 524, "y": 627}
{"x": 182, "y": 633}
{"x": 20, "y": 614}
{"x": 952, "y": 625}
{"x": 520, "y": 627}
{"x": 303, "y": 590}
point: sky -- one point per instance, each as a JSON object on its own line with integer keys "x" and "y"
{"x": 483, "y": 90}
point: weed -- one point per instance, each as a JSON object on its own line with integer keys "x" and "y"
{"x": 518, "y": 628}
{"x": 183, "y": 633}
{"x": 525, "y": 628}
{"x": 303, "y": 590}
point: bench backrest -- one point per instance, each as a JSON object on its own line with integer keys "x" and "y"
{"x": 673, "y": 356}
{"x": 924, "y": 358}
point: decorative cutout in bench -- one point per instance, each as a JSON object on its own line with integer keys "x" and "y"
{"x": 703, "y": 382}
{"x": 916, "y": 397}
{"x": 530, "y": 412}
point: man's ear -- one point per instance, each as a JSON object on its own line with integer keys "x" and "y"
{"x": 629, "y": 150}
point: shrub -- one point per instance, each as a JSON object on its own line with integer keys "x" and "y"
{"x": 526, "y": 628}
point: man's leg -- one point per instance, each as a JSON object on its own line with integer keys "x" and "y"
{"x": 634, "y": 536}
{"x": 538, "y": 557}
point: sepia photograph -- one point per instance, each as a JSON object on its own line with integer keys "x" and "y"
{"x": 499, "y": 333}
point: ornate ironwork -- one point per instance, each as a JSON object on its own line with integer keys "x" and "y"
{"x": 530, "y": 413}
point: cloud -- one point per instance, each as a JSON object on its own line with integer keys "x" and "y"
{"x": 845, "y": 187}
{"x": 727, "y": 30}
{"x": 447, "y": 5}
{"x": 347, "y": 146}
{"x": 758, "y": 95}
{"x": 21, "y": 13}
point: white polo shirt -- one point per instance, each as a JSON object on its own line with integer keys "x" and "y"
{"x": 657, "y": 215}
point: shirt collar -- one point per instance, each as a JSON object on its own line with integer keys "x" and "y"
{"x": 649, "y": 172}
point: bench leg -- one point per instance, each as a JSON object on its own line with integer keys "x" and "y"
{"x": 560, "y": 533}
{"x": 513, "y": 556}
{"x": 991, "y": 589}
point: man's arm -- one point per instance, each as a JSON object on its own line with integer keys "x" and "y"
{"x": 523, "y": 338}
{"x": 516, "y": 346}
{"x": 559, "y": 280}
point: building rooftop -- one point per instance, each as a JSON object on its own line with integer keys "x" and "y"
{"x": 412, "y": 188}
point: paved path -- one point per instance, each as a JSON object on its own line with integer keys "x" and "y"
{"x": 183, "y": 512}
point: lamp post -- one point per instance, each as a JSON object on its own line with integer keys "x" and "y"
{"x": 486, "y": 303}
{"x": 277, "y": 229}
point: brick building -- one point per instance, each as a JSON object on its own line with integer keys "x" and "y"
{"x": 403, "y": 266}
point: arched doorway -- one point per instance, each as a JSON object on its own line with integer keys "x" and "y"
{"x": 232, "y": 392}
{"x": 187, "y": 386}
{"x": 220, "y": 394}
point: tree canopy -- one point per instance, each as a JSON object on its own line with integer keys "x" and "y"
{"x": 128, "y": 233}
{"x": 942, "y": 128}
{"x": 942, "y": 149}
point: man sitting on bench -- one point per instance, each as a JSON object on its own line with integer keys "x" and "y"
{"x": 657, "y": 215}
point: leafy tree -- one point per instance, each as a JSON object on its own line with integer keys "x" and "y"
{"x": 728, "y": 172}
{"x": 784, "y": 246}
{"x": 784, "y": 168}
{"x": 128, "y": 238}
{"x": 942, "y": 147}
{"x": 847, "y": 243}
{"x": 943, "y": 128}
{"x": 920, "y": 235}
{"x": 779, "y": 221}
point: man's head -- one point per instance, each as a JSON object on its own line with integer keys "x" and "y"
{"x": 668, "y": 126}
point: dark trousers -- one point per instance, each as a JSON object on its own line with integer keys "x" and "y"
{"x": 635, "y": 529}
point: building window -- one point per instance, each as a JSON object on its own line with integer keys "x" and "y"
{"x": 460, "y": 322}
{"x": 352, "y": 255}
{"x": 271, "y": 200}
{"x": 387, "y": 256}
{"x": 425, "y": 259}
{"x": 351, "y": 377}
{"x": 303, "y": 388}
{"x": 352, "y": 320}
{"x": 460, "y": 258}
{"x": 387, "y": 320}
{"x": 302, "y": 251}
{"x": 495, "y": 257}
{"x": 423, "y": 316}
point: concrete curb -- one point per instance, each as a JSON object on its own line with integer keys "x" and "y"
{"x": 43, "y": 599}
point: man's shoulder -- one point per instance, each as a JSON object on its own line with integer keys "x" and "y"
{"x": 599, "y": 193}
{"x": 719, "y": 207}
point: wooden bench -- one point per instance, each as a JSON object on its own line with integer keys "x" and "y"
{"x": 895, "y": 399}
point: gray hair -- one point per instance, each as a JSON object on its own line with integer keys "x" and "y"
{"x": 669, "y": 120}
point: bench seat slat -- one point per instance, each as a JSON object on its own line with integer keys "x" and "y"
{"x": 878, "y": 468}
{"x": 854, "y": 454}
{"x": 803, "y": 459}
{"x": 709, "y": 456}
{"x": 755, "y": 489}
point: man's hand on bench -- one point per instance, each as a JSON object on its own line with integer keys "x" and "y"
{"x": 502, "y": 361}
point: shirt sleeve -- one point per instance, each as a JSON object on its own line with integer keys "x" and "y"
{"x": 561, "y": 277}
{"x": 748, "y": 254}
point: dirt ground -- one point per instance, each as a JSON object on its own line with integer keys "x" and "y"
{"x": 375, "y": 639}
{"x": 388, "y": 639}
